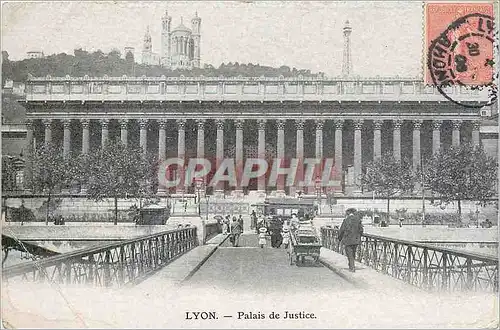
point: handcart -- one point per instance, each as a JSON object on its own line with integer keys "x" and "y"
{"x": 304, "y": 243}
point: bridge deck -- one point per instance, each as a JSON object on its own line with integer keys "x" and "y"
{"x": 251, "y": 281}
{"x": 250, "y": 268}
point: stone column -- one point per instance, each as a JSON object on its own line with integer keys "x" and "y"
{"x": 66, "y": 138}
{"x": 436, "y": 135}
{"x": 162, "y": 137}
{"x": 143, "y": 135}
{"x": 124, "y": 131}
{"x": 280, "y": 154}
{"x": 85, "y": 146}
{"x": 28, "y": 169}
{"x": 48, "y": 131}
{"x": 416, "y": 143}
{"x": 200, "y": 147}
{"x": 339, "y": 125}
{"x": 396, "y": 140}
{"x": 455, "y": 137}
{"x": 299, "y": 125}
{"x": 358, "y": 125}
{"x": 181, "y": 152}
{"x": 261, "y": 149}
{"x": 377, "y": 138}
{"x": 239, "y": 155}
{"x": 476, "y": 125}
{"x": 104, "y": 131}
{"x": 219, "y": 154}
{"x": 85, "y": 136}
{"x": 162, "y": 148}
{"x": 66, "y": 147}
{"x": 318, "y": 154}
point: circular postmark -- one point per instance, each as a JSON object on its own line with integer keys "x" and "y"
{"x": 463, "y": 55}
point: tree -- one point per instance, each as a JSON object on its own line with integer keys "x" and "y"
{"x": 50, "y": 172}
{"x": 6, "y": 67}
{"x": 460, "y": 173}
{"x": 8, "y": 173}
{"x": 387, "y": 177}
{"x": 117, "y": 171}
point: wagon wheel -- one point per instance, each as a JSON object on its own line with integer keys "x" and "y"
{"x": 316, "y": 259}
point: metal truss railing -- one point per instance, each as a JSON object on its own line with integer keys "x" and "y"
{"x": 425, "y": 266}
{"x": 114, "y": 264}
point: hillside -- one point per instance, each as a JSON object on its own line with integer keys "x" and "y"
{"x": 98, "y": 64}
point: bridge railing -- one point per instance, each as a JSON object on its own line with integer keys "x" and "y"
{"x": 422, "y": 265}
{"x": 112, "y": 264}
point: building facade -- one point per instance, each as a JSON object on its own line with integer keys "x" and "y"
{"x": 34, "y": 54}
{"x": 351, "y": 121}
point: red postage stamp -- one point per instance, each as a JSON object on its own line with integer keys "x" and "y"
{"x": 459, "y": 42}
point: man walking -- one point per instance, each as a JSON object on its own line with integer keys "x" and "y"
{"x": 235, "y": 232}
{"x": 350, "y": 235}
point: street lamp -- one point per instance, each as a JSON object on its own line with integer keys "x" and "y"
{"x": 206, "y": 199}
{"x": 318, "y": 193}
{"x": 477, "y": 217}
{"x": 199, "y": 183}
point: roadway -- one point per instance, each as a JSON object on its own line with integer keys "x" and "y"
{"x": 251, "y": 268}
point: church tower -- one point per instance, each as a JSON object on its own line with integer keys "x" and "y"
{"x": 165, "y": 40}
{"x": 196, "y": 36}
{"x": 346, "y": 63}
{"x": 147, "y": 49}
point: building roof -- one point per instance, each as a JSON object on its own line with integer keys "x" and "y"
{"x": 182, "y": 27}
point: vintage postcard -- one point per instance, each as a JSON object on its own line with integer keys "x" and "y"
{"x": 249, "y": 164}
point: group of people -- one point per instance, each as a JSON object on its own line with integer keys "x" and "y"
{"x": 280, "y": 235}
{"x": 233, "y": 228}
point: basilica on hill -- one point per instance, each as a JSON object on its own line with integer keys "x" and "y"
{"x": 180, "y": 46}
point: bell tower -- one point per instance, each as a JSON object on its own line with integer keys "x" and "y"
{"x": 196, "y": 35}
{"x": 147, "y": 49}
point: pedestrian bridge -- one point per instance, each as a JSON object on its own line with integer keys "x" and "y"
{"x": 149, "y": 266}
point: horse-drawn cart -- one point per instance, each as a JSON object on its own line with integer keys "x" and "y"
{"x": 304, "y": 243}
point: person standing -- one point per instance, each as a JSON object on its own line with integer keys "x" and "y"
{"x": 253, "y": 216}
{"x": 235, "y": 232}
{"x": 350, "y": 235}
{"x": 240, "y": 220}
{"x": 262, "y": 237}
{"x": 286, "y": 237}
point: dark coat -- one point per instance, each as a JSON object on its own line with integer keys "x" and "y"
{"x": 351, "y": 230}
{"x": 236, "y": 227}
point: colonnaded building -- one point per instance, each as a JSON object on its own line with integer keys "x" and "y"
{"x": 350, "y": 119}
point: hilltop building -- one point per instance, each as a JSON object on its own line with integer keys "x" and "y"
{"x": 148, "y": 57}
{"x": 34, "y": 54}
{"x": 180, "y": 47}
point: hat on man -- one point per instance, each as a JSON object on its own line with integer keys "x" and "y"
{"x": 262, "y": 229}
{"x": 350, "y": 211}
{"x": 285, "y": 229}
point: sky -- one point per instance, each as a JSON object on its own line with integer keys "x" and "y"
{"x": 386, "y": 37}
